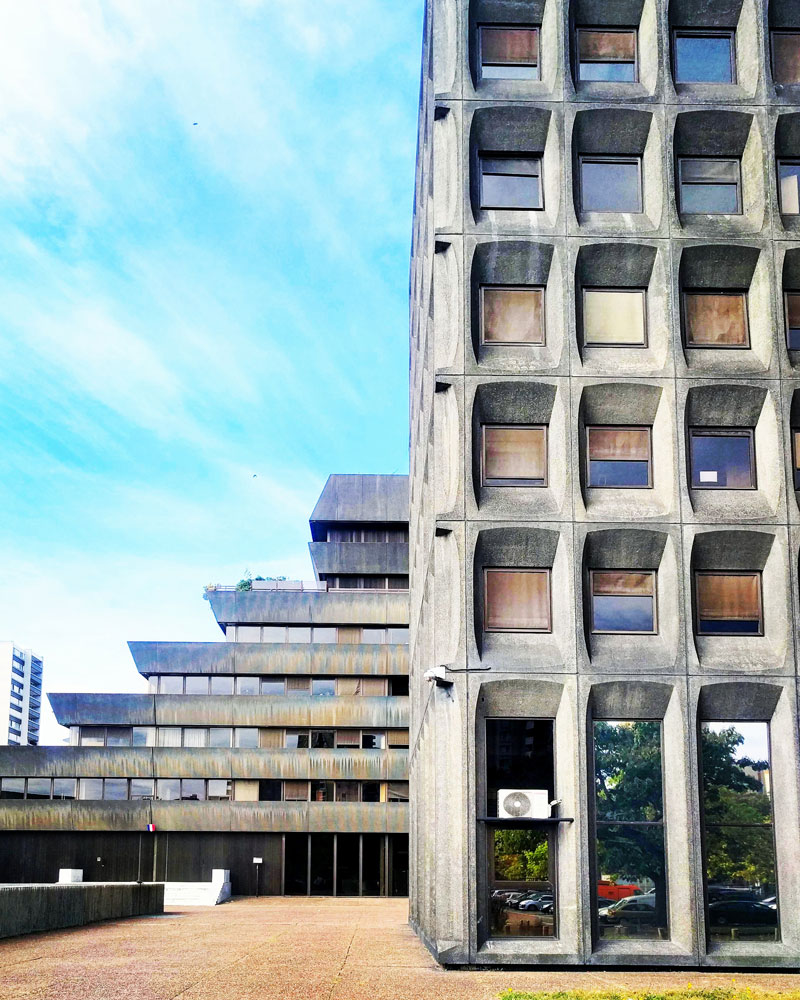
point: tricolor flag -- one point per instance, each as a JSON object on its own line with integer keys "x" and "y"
{"x": 151, "y": 828}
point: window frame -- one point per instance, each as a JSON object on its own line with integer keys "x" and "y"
{"x": 619, "y": 427}
{"x": 537, "y": 28}
{"x": 772, "y": 34}
{"x": 743, "y": 293}
{"x": 645, "y": 325}
{"x": 542, "y": 289}
{"x": 725, "y": 572}
{"x": 607, "y": 29}
{"x": 722, "y": 159}
{"x": 789, "y": 161}
{"x": 597, "y": 158}
{"x": 724, "y": 432}
{"x": 547, "y": 571}
{"x": 787, "y": 292}
{"x": 602, "y": 631}
{"x": 484, "y": 157}
{"x": 795, "y": 433}
{"x": 531, "y": 484}
{"x": 729, "y": 33}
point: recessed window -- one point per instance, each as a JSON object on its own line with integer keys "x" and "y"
{"x": 792, "y": 318}
{"x": 142, "y": 788}
{"x": 619, "y": 457}
{"x": 247, "y": 685}
{"x": 716, "y": 319}
{"x": 220, "y": 736}
{"x": 246, "y": 738}
{"x": 517, "y": 600}
{"x": 273, "y": 685}
{"x": 221, "y": 685}
{"x": 512, "y": 315}
{"x": 38, "y": 788}
{"x": 64, "y": 788}
{"x": 614, "y": 317}
{"x": 607, "y": 55}
{"x": 629, "y": 829}
{"x": 115, "y": 788}
{"x": 323, "y": 687}
{"x": 14, "y": 788}
{"x": 742, "y": 892}
{"x": 722, "y": 459}
{"x": 196, "y": 684}
{"x": 623, "y": 601}
{"x": 514, "y": 456}
{"x": 796, "y": 458}
{"x": 704, "y": 57}
{"x": 171, "y": 685}
{"x": 118, "y": 736}
{"x": 789, "y": 185}
{"x": 728, "y": 604}
{"x": 611, "y": 184}
{"x": 511, "y": 182}
{"x": 509, "y": 53}
{"x": 710, "y": 186}
{"x": 786, "y": 56}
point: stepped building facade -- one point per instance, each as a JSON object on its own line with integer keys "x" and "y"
{"x": 605, "y": 495}
{"x": 279, "y": 753}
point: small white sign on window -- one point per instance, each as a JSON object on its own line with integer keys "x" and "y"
{"x": 708, "y": 476}
{"x": 258, "y": 861}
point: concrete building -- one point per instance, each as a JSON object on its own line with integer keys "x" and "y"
{"x": 21, "y": 679}
{"x": 279, "y": 753}
{"x": 605, "y": 495}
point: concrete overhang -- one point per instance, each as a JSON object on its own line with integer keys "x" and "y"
{"x": 281, "y": 607}
{"x": 359, "y": 558}
{"x": 351, "y": 499}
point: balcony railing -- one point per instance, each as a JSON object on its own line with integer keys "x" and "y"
{"x": 297, "y": 585}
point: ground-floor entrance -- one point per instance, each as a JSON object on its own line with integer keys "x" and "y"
{"x": 264, "y": 864}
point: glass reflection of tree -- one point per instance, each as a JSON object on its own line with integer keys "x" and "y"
{"x": 737, "y": 812}
{"x": 521, "y": 856}
{"x": 629, "y": 805}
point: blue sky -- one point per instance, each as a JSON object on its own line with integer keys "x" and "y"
{"x": 205, "y": 220}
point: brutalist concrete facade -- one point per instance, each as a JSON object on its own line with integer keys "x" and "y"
{"x": 296, "y": 752}
{"x": 459, "y": 526}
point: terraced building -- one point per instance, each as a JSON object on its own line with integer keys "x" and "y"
{"x": 286, "y": 741}
{"x": 605, "y": 495}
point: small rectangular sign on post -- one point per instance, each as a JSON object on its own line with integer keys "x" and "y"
{"x": 258, "y": 861}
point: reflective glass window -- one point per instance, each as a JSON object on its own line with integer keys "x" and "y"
{"x": 118, "y": 736}
{"x": 12, "y": 788}
{"x": 220, "y": 736}
{"x": 38, "y": 788}
{"x": 65, "y": 788}
{"x": 508, "y": 53}
{"x": 273, "y": 633}
{"x": 169, "y": 684}
{"x": 607, "y": 55}
{"x": 398, "y": 635}
{"x": 193, "y": 789}
{"x": 512, "y": 315}
{"x": 248, "y": 685}
{"x": 623, "y": 601}
{"x": 169, "y": 736}
{"x": 716, "y": 319}
{"x": 219, "y": 788}
{"x": 143, "y": 736}
{"x": 629, "y": 830}
{"x": 323, "y": 687}
{"x": 704, "y": 57}
{"x": 196, "y": 684}
{"x": 796, "y": 458}
{"x": 520, "y": 781}
{"x": 377, "y": 635}
{"x": 619, "y": 457}
{"x": 517, "y": 600}
{"x": 728, "y": 603}
{"x": 511, "y": 182}
{"x": 221, "y": 685}
{"x": 194, "y": 737}
{"x": 91, "y": 789}
{"x": 298, "y": 633}
{"x": 514, "y": 456}
{"x": 296, "y": 739}
{"x": 611, "y": 184}
{"x": 115, "y": 788}
{"x": 93, "y": 736}
{"x": 710, "y": 186}
{"x": 786, "y": 56}
{"x": 142, "y": 788}
{"x": 722, "y": 459}
{"x": 168, "y": 789}
{"x": 789, "y": 186}
{"x": 273, "y": 685}
{"x": 248, "y": 633}
{"x": 738, "y": 842}
{"x": 614, "y": 317}
{"x": 246, "y": 738}
{"x": 792, "y": 318}
{"x": 320, "y": 634}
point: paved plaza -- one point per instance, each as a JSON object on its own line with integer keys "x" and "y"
{"x": 280, "y": 949}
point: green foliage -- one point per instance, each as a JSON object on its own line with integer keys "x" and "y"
{"x": 520, "y": 856}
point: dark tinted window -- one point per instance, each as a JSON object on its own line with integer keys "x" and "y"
{"x": 786, "y": 56}
{"x": 722, "y": 460}
{"x": 611, "y": 185}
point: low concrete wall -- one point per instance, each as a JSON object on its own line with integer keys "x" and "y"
{"x": 26, "y": 909}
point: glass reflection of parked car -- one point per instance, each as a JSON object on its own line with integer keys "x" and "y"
{"x": 537, "y": 905}
{"x": 634, "y": 910}
{"x": 533, "y": 894}
{"x": 771, "y": 902}
{"x": 603, "y": 902}
{"x": 740, "y": 912}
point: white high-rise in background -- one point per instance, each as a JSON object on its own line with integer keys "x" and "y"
{"x": 21, "y": 689}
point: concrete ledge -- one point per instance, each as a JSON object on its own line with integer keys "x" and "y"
{"x": 27, "y": 909}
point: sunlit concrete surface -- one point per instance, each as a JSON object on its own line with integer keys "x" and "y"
{"x": 281, "y": 948}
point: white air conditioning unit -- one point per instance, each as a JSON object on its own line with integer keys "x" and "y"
{"x": 523, "y": 803}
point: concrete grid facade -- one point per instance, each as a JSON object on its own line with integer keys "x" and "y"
{"x": 569, "y": 673}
